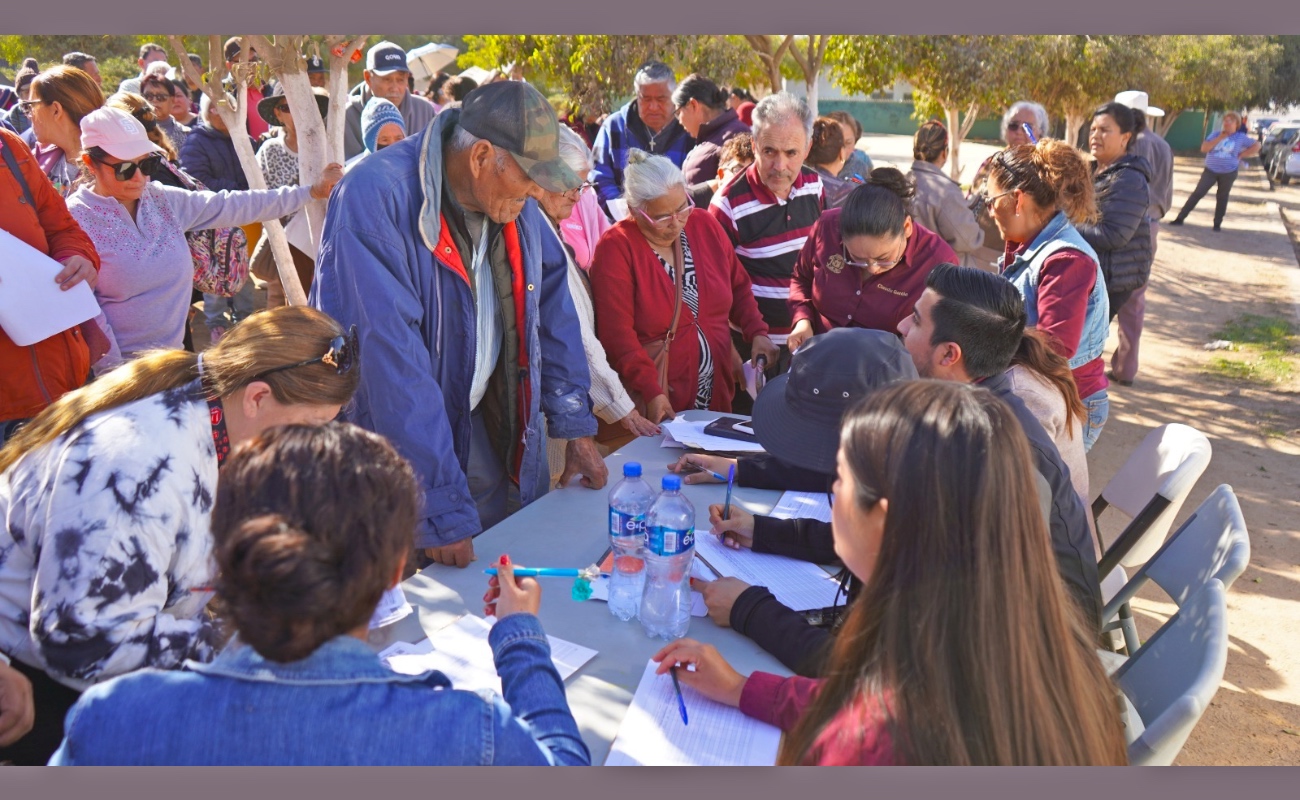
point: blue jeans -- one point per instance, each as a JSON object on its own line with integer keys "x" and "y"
{"x": 1097, "y": 405}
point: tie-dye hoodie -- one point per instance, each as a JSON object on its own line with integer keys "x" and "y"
{"x": 105, "y": 549}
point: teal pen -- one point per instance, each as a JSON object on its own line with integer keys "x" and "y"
{"x": 551, "y": 572}
{"x": 681, "y": 704}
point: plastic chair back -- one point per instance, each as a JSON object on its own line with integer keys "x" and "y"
{"x": 1168, "y": 463}
{"x": 1171, "y": 680}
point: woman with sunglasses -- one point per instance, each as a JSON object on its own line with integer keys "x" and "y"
{"x": 1037, "y": 194}
{"x": 962, "y": 647}
{"x": 57, "y": 101}
{"x": 669, "y": 262}
{"x": 864, "y": 265}
{"x": 138, "y": 227}
{"x": 158, "y": 91}
{"x": 1023, "y": 123}
{"x": 105, "y": 498}
{"x": 609, "y": 400}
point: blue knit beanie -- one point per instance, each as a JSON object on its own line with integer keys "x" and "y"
{"x": 378, "y": 113}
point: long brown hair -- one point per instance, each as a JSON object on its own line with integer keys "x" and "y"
{"x": 310, "y": 526}
{"x": 267, "y": 339}
{"x": 71, "y": 88}
{"x": 963, "y": 630}
{"x": 1053, "y": 173}
{"x": 140, "y": 108}
{"x": 1037, "y": 355}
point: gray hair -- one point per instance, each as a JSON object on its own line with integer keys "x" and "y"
{"x": 205, "y": 104}
{"x": 462, "y": 140}
{"x": 655, "y": 72}
{"x": 574, "y": 152}
{"x": 646, "y": 178}
{"x": 1041, "y": 126}
{"x": 782, "y": 107}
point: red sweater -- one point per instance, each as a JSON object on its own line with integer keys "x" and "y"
{"x": 633, "y": 296}
{"x": 1065, "y": 282}
{"x": 33, "y": 377}
{"x": 830, "y": 299}
{"x": 857, "y": 736}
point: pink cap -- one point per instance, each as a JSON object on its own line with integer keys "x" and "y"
{"x": 117, "y": 133}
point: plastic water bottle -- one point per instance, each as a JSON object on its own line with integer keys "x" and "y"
{"x": 629, "y": 501}
{"x": 670, "y": 546}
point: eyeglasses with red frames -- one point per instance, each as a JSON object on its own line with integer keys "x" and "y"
{"x": 681, "y": 215}
{"x": 342, "y": 356}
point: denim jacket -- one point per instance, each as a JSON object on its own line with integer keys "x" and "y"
{"x": 1024, "y": 272}
{"x": 338, "y": 706}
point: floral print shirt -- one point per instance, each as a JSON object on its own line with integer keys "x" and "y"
{"x": 105, "y": 548}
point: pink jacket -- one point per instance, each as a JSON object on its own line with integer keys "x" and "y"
{"x": 583, "y": 228}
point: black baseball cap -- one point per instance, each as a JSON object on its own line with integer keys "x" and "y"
{"x": 385, "y": 58}
{"x": 316, "y": 65}
{"x": 515, "y": 117}
{"x": 797, "y": 417}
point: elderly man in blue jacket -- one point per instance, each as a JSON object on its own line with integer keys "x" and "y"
{"x": 433, "y": 249}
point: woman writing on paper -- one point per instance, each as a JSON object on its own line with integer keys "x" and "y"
{"x": 138, "y": 226}
{"x": 961, "y": 648}
{"x": 310, "y": 526}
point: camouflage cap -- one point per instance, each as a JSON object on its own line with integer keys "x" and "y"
{"x": 515, "y": 117}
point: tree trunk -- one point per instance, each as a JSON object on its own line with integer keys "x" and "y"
{"x": 953, "y": 116}
{"x": 962, "y": 132}
{"x": 1163, "y": 124}
{"x": 1073, "y": 124}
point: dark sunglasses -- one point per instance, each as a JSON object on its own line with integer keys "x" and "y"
{"x": 125, "y": 170}
{"x": 158, "y": 98}
{"x": 342, "y": 356}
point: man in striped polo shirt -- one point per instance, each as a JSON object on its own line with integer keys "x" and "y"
{"x": 768, "y": 211}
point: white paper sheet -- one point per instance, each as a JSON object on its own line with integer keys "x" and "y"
{"x": 691, "y": 434}
{"x": 32, "y": 306}
{"x": 797, "y": 584}
{"x": 600, "y": 589}
{"x": 392, "y": 607}
{"x": 652, "y": 733}
{"x": 462, "y": 653}
{"x": 803, "y": 505}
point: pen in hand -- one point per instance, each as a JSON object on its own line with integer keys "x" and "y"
{"x": 681, "y": 704}
{"x": 731, "y": 482}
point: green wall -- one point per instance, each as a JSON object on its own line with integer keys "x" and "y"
{"x": 884, "y": 116}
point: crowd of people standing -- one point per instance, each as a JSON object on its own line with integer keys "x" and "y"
{"x": 525, "y": 299}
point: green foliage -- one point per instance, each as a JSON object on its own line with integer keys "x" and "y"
{"x": 595, "y": 71}
{"x": 862, "y": 64}
{"x": 1211, "y": 72}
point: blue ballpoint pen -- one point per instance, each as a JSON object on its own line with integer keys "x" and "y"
{"x": 1029, "y": 132}
{"x": 681, "y": 704}
{"x": 590, "y": 573}
{"x": 731, "y": 481}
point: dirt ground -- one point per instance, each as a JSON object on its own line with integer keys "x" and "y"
{"x": 1202, "y": 280}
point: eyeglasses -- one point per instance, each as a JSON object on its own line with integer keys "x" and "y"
{"x": 574, "y": 194}
{"x": 983, "y": 201}
{"x": 1019, "y": 127}
{"x": 157, "y": 98}
{"x": 680, "y": 215}
{"x": 873, "y": 265}
{"x": 28, "y": 105}
{"x": 125, "y": 170}
{"x": 342, "y": 356}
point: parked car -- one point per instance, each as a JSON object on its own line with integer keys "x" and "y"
{"x": 1279, "y": 137}
{"x": 1260, "y": 125}
{"x": 1289, "y": 161}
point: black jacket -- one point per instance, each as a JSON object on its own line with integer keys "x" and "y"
{"x": 803, "y": 648}
{"x": 1122, "y": 237}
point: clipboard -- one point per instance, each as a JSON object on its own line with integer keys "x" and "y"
{"x": 724, "y": 427}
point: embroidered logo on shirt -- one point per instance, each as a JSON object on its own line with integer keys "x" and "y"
{"x": 835, "y": 263}
{"x": 892, "y": 291}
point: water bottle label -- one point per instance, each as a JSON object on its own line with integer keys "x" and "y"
{"x": 669, "y": 541}
{"x": 621, "y": 524}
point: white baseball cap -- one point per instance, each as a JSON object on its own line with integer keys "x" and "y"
{"x": 117, "y": 133}
{"x": 1138, "y": 100}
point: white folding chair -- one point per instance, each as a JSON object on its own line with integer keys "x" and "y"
{"x": 1212, "y": 544}
{"x": 1171, "y": 680}
{"x": 1149, "y": 489}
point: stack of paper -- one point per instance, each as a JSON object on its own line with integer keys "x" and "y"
{"x": 680, "y": 432}
{"x": 803, "y": 505}
{"x": 797, "y": 584}
{"x": 653, "y": 735}
{"x": 462, "y": 653}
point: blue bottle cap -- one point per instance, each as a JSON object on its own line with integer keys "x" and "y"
{"x": 672, "y": 483}
{"x": 632, "y": 469}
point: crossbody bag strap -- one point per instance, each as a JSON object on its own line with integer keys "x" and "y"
{"x": 679, "y": 281}
{"x": 18, "y": 175}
